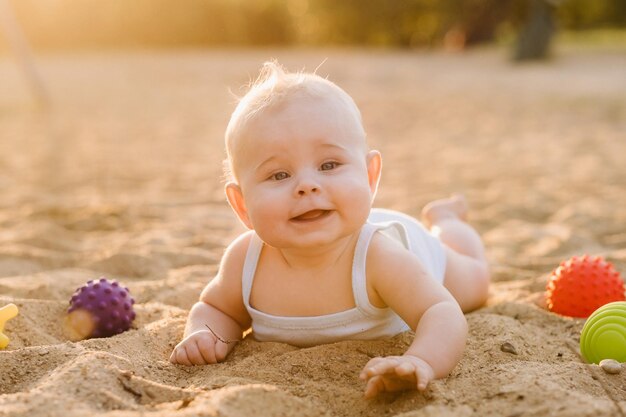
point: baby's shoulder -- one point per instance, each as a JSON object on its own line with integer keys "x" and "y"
{"x": 388, "y": 257}
{"x": 384, "y": 246}
{"x": 235, "y": 255}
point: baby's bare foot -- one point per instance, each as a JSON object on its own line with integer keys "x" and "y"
{"x": 446, "y": 208}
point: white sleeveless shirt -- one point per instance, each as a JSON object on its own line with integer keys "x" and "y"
{"x": 363, "y": 322}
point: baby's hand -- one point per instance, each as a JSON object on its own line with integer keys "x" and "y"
{"x": 199, "y": 348}
{"x": 396, "y": 373}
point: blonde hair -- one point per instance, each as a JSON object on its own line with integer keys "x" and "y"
{"x": 273, "y": 87}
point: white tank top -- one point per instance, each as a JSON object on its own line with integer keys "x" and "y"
{"x": 363, "y": 322}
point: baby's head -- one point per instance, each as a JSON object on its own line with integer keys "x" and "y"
{"x": 300, "y": 171}
{"x": 276, "y": 88}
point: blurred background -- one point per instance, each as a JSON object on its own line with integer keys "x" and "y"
{"x": 453, "y": 24}
{"x": 526, "y": 29}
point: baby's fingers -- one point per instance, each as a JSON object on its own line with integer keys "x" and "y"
{"x": 379, "y": 366}
{"x": 179, "y": 356}
{"x": 221, "y": 350}
{"x": 199, "y": 355}
{"x": 374, "y": 386}
{"x": 417, "y": 371}
{"x": 406, "y": 369}
{"x": 364, "y": 372}
{"x": 424, "y": 376}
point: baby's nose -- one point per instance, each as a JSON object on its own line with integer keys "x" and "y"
{"x": 307, "y": 186}
{"x": 308, "y": 190}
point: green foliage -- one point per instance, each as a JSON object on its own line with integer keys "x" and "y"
{"x": 586, "y": 14}
{"x": 369, "y": 22}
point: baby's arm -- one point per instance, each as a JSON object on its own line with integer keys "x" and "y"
{"x": 397, "y": 279}
{"x": 217, "y": 321}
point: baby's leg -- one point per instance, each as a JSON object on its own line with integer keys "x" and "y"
{"x": 467, "y": 272}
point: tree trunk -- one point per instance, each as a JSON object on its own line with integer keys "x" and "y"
{"x": 534, "y": 39}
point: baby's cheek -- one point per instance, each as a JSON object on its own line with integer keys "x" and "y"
{"x": 357, "y": 200}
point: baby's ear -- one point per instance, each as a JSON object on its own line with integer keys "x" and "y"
{"x": 237, "y": 203}
{"x": 374, "y": 168}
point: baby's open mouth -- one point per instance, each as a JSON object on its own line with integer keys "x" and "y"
{"x": 311, "y": 215}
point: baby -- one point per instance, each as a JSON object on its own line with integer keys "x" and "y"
{"x": 318, "y": 264}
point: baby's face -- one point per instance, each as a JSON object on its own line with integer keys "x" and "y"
{"x": 302, "y": 169}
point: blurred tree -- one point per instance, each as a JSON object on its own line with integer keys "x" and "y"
{"x": 267, "y": 22}
{"x": 585, "y": 14}
{"x": 472, "y": 22}
{"x": 479, "y": 22}
{"x": 534, "y": 38}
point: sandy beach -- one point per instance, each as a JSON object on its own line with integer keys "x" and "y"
{"x": 122, "y": 177}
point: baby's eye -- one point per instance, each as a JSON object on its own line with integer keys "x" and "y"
{"x": 327, "y": 166}
{"x": 279, "y": 176}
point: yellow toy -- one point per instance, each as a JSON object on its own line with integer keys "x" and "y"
{"x": 6, "y": 313}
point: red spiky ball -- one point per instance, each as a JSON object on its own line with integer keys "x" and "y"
{"x": 581, "y": 285}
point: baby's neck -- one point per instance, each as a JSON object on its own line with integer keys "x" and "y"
{"x": 318, "y": 258}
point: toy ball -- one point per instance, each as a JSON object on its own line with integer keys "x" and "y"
{"x": 604, "y": 334}
{"x": 100, "y": 308}
{"x": 581, "y": 285}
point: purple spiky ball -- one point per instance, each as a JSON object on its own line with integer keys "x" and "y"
{"x": 109, "y": 305}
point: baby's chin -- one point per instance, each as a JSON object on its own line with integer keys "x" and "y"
{"x": 310, "y": 241}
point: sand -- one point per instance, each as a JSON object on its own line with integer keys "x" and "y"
{"x": 122, "y": 178}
